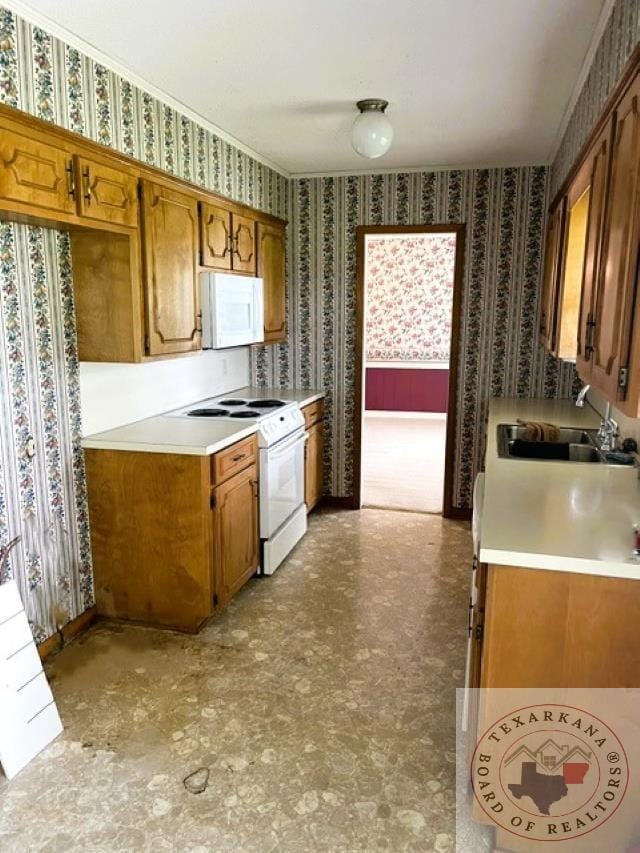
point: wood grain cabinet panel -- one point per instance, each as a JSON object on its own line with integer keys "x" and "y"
{"x": 546, "y": 628}
{"x": 236, "y": 532}
{"x": 106, "y": 194}
{"x": 271, "y": 267}
{"x": 313, "y": 415}
{"x": 244, "y": 244}
{"x": 615, "y": 300}
{"x": 215, "y": 237}
{"x": 170, "y": 228}
{"x": 34, "y": 175}
{"x": 552, "y": 275}
{"x": 168, "y": 545}
{"x": 314, "y": 465}
{"x": 597, "y": 164}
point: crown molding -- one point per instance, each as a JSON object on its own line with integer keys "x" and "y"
{"x": 32, "y": 16}
{"x": 598, "y": 32}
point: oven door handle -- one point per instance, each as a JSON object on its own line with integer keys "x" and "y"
{"x": 278, "y": 449}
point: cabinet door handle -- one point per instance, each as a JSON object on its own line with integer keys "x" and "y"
{"x": 238, "y": 457}
{"x": 71, "y": 181}
{"x": 86, "y": 178}
{"x": 591, "y": 326}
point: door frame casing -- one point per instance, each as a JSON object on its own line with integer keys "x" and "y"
{"x": 362, "y": 231}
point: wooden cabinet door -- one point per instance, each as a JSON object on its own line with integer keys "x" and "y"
{"x": 271, "y": 267}
{"x": 552, "y": 274}
{"x": 244, "y": 244}
{"x": 597, "y": 162}
{"x": 170, "y": 228}
{"x": 215, "y": 237}
{"x": 236, "y": 532}
{"x": 617, "y": 279}
{"x": 314, "y": 465}
{"x": 35, "y": 173}
{"x": 106, "y": 194}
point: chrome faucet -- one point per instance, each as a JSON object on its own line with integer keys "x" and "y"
{"x": 608, "y": 432}
{"x": 582, "y": 396}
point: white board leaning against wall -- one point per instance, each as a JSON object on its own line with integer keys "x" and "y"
{"x": 29, "y": 718}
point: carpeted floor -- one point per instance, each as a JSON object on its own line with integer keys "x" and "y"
{"x": 403, "y": 462}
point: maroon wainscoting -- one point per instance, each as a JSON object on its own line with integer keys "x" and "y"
{"x": 390, "y": 389}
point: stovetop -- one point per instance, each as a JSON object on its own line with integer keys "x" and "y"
{"x": 276, "y": 418}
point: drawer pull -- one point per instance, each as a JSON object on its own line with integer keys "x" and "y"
{"x": 238, "y": 457}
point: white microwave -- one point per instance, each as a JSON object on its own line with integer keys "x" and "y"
{"x": 232, "y": 310}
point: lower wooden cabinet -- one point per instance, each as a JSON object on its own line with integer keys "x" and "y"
{"x": 170, "y": 544}
{"x": 536, "y": 628}
{"x": 314, "y": 454}
{"x": 236, "y": 532}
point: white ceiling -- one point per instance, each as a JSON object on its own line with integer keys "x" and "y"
{"x": 469, "y": 83}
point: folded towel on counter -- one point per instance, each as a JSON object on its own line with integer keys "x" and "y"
{"x": 540, "y": 449}
{"x": 539, "y": 431}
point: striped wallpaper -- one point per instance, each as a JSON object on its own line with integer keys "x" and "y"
{"x": 43, "y": 498}
{"x": 618, "y": 41}
{"x": 504, "y": 211}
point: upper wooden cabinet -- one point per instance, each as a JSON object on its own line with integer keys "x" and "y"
{"x": 596, "y": 166}
{"x": 170, "y": 238}
{"x": 36, "y": 176}
{"x": 106, "y": 194}
{"x": 215, "y": 237}
{"x": 243, "y": 232}
{"x": 227, "y": 240}
{"x": 616, "y": 292}
{"x": 593, "y": 249}
{"x": 271, "y": 267}
{"x": 135, "y": 262}
{"x": 552, "y": 273}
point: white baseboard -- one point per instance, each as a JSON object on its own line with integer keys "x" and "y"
{"x": 416, "y": 415}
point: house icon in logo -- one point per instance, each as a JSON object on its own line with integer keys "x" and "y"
{"x": 550, "y": 756}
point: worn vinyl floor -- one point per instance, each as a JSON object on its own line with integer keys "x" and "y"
{"x": 403, "y": 462}
{"x": 321, "y": 702}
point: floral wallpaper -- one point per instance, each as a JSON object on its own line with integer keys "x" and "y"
{"x": 42, "y": 478}
{"x": 409, "y": 297}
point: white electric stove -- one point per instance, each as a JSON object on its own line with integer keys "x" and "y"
{"x": 281, "y": 438}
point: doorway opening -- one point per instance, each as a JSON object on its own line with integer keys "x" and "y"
{"x": 408, "y": 301}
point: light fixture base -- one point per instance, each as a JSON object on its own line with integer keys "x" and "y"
{"x": 372, "y": 105}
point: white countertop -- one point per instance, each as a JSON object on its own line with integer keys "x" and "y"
{"x": 191, "y": 436}
{"x": 562, "y": 516}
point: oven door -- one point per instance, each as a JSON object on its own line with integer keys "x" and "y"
{"x": 281, "y": 482}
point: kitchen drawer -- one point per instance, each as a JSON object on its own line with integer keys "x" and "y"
{"x": 313, "y": 413}
{"x": 236, "y": 458}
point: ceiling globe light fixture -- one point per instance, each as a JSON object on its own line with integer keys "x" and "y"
{"x": 372, "y": 133}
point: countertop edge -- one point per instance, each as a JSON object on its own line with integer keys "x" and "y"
{"x": 555, "y": 563}
{"x": 179, "y": 449}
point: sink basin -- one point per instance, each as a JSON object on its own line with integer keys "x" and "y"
{"x": 581, "y": 445}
